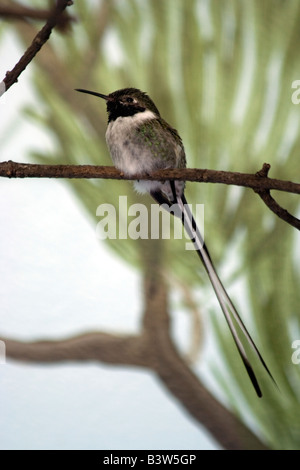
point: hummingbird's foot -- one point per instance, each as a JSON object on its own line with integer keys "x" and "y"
{"x": 145, "y": 173}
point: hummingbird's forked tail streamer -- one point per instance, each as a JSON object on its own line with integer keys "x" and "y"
{"x": 225, "y": 302}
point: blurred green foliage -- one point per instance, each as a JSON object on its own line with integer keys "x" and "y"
{"x": 221, "y": 73}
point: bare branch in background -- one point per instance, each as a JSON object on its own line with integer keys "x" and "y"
{"x": 37, "y": 43}
{"x": 15, "y": 11}
{"x": 154, "y": 350}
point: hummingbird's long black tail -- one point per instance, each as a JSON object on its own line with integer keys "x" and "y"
{"x": 229, "y": 310}
{"x": 226, "y": 304}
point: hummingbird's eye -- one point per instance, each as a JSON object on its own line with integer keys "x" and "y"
{"x": 129, "y": 99}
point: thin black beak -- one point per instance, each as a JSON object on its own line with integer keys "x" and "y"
{"x": 105, "y": 97}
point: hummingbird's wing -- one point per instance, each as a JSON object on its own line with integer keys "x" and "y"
{"x": 229, "y": 310}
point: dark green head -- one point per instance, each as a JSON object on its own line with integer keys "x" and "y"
{"x": 125, "y": 102}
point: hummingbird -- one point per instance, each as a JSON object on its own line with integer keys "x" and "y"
{"x": 140, "y": 141}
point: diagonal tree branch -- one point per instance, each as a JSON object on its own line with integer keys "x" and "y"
{"x": 277, "y": 209}
{"x": 171, "y": 368}
{"x": 37, "y": 43}
{"x": 271, "y": 203}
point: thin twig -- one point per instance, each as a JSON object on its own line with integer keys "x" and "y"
{"x": 271, "y": 203}
{"x": 37, "y": 43}
{"x": 278, "y": 210}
